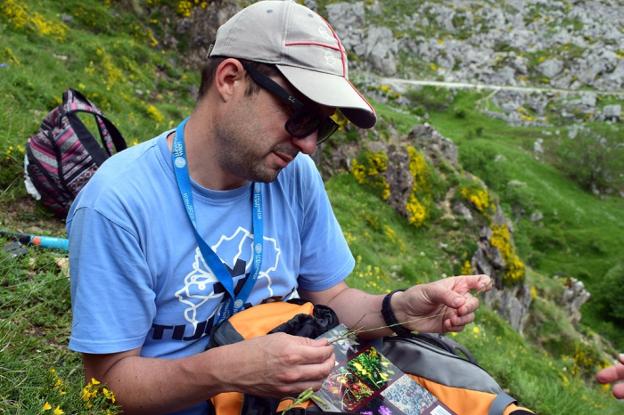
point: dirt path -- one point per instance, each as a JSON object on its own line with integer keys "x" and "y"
{"x": 486, "y": 87}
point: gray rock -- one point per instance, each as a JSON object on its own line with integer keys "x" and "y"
{"x": 611, "y": 112}
{"x": 538, "y": 147}
{"x": 436, "y": 147}
{"x": 381, "y": 48}
{"x": 512, "y": 304}
{"x": 573, "y": 297}
{"x": 588, "y": 100}
{"x": 348, "y": 19}
{"x": 463, "y": 211}
{"x": 550, "y": 68}
{"x": 536, "y": 216}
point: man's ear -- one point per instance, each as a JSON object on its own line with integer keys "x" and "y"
{"x": 229, "y": 79}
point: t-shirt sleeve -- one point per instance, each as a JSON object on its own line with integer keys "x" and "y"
{"x": 111, "y": 287}
{"x": 326, "y": 258}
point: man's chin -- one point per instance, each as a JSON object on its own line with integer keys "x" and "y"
{"x": 267, "y": 176}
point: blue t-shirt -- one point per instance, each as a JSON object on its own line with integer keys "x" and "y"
{"x": 137, "y": 276}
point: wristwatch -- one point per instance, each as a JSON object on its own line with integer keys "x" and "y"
{"x": 389, "y": 317}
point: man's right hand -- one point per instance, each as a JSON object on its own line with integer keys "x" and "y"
{"x": 279, "y": 365}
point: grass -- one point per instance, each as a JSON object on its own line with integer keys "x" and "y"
{"x": 110, "y": 55}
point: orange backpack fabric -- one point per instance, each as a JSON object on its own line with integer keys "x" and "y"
{"x": 292, "y": 317}
{"x": 451, "y": 374}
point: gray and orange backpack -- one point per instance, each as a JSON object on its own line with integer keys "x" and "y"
{"x": 440, "y": 365}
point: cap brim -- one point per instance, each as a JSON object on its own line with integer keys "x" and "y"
{"x": 332, "y": 91}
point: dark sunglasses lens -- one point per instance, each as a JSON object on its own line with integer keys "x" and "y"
{"x": 302, "y": 123}
{"x": 326, "y": 129}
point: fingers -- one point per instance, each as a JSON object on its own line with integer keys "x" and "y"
{"x": 308, "y": 363}
{"x": 457, "y": 321}
{"x": 611, "y": 374}
{"x": 304, "y": 351}
{"x": 314, "y": 372}
{"x": 470, "y": 305}
{"x": 479, "y": 282}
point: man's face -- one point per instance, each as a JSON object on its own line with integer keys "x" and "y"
{"x": 253, "y": 143}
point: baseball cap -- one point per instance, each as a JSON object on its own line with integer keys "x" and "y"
{"x": 305, "y": 49}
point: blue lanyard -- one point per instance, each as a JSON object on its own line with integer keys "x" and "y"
{"x": 234, "y": 303}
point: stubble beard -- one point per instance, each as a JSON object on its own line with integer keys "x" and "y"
{"x": 243, "y": 158}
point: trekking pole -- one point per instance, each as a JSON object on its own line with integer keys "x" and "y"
{"x": 50, "y": 242}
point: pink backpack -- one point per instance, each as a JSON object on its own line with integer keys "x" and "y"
{"x": 63, "y": 155}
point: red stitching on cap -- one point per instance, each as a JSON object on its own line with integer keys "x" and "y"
{"x": 323, "y": 45}
{"x": 363, "y": 99}
{"x": 343, "y": 54}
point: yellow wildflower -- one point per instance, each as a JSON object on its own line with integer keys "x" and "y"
{"x": 533, "y": 292}
{"x": 58, "y": 411}
{"x": 466, "y": 268}
{"x": 108, "y": 394}
{"x": 46, "y": 406}
{"x": 155, "y": 114}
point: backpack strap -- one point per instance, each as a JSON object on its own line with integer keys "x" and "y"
{"x": 73, "y": 102}
{"x": 118, "y": 140}
{"x": 499, "y": 404}
{"x": 86, "y": 139}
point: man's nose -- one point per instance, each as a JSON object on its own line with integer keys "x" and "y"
{"x": 307, "y": 144}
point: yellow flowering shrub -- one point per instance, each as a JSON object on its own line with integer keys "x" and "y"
{"x": 515, "y": 269}
{"x": 358, "y": 170}
{"x": 385, "y": 194}
{"x": 371, "y": 167}
{"x": 420, "y": 197}
{"x": 416, "y": 212}
{"x": 113, "y": 74}
{"x": 339, "y": 118}
{"x": 388, "y": 92}
{"x": 370, "y": 170}
{"x": 586, "y": 360}
{"x": 419, "y": 170}
{"x": 477, "y": 197}
{"x": 20, "y": 17}
{"x": 185, "y": 7}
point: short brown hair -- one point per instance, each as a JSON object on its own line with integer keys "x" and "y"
{"x": 209, "y": 70}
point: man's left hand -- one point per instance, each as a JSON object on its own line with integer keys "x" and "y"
{"x": 440, "y": 306}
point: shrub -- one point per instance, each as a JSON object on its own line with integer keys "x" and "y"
{"x": 608, "y": 294}
{"x": 594, "y": 162}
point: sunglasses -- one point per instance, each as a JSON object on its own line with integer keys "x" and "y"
{"x": 305, "y": 119}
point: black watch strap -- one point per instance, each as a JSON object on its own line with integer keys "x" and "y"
{"x": 389, "y": 317}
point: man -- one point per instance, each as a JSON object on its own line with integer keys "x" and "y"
{"x": 172, "y": 236}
